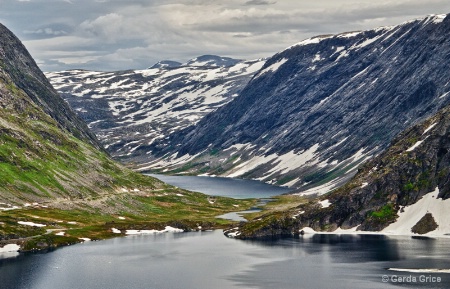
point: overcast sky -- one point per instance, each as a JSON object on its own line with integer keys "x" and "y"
{"x": 134, "y": 34}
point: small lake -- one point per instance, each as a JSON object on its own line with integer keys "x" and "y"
{"x": 209, "y": 260}
{"x": 225, "y": 187}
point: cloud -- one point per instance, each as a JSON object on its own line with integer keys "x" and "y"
{"x": 108, "y": 27}
{"x": 114, "y": 34}
{"x": 47, "y": 31}
{"x": 259, "y": 2}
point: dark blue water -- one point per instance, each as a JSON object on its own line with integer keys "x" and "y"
{"x": 210, "y": 260}
{"x": 226, "y": 187}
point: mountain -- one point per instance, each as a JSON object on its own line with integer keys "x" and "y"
{"x": 46, "y": 151}
{"x": 129, "y": 110}
{"x": 404, "y": 190}
{"x": 318, "y": 109}
{"x": 212, "y": 61}
{"x": 19, "y": 68}
{"x": 166, "y": 64}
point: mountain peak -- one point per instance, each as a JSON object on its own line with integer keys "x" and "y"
{"x": 164, "y": 64}
{"x": 212, "y": 61}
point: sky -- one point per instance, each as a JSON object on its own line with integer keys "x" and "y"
{"x": 112, "y": 35}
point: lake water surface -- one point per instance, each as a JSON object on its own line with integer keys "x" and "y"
{"x": 210, "y": 260}
{"x": 200, "y": 260}
{"x": 226, "y": 187}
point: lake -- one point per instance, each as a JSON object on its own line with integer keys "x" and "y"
{"x": 226, "y": 187}
{"x": 210, "y": 260}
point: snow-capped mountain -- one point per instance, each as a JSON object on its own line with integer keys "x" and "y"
{"x": 212, "y": 61}
{"x": 318, "y": 109}
{"x": 129, "y": 110}
{"x": 166, "y": 64}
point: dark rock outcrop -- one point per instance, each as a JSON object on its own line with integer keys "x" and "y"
{"x": 417, "y": 161}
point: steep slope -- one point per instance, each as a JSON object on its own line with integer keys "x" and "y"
{"x": 46, "y": 151}
{"x": 18, "y": 65}
{"x": 321, "y": 107}
{"x": 128, "y": 110}
{"x": 404, "y": 190}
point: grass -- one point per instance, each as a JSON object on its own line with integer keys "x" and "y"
{"x": 385, "y": 213}
{"x": 171, "y": 206}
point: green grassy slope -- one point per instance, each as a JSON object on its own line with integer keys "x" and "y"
{"x": 53, "y": 173}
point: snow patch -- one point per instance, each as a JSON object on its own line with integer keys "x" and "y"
{"x": 317, "y": 58}
{"x": 416, "y": 145}
{"x": 234, "y": 234}
{"x": 308, "y": 41}
{"x": 444, "y": 95}
{"x": 429, "y": 128}
{"x": 325, "y": 203}
{"x": 429, "y": 203}
{"x": 282, "y": 164}
{"x": 30, "y": 224}
{"x": 308, "y": 230}
{"x": 322, "y": 189}
{"x": 146, "y": 232}
{"x": 116, "y": 231}
{"x": 439, "y": 18}
{"x": 10, "y": 248}
{"x": 272, "y": 68}
{"x": 349, "y": 34}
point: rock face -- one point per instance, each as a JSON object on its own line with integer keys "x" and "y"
{"x": 46, "y": 151}
{"x": 18, "y": 65}
{"x": 318, "y": 109}
{"x": 406, "y": 189}
{"x": 129, "y": 110}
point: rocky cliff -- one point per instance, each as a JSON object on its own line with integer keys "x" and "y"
{"x": 404, "y": 190}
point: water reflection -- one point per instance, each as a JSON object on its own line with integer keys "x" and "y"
{"x": 210, "y": 260}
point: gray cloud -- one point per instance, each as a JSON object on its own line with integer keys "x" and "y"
{"x": 113, "y": 34}
{"x": 259, "y": 2}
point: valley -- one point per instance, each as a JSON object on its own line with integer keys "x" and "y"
{"x": 355, "y": 125}
{"x": 306, "y": 119}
